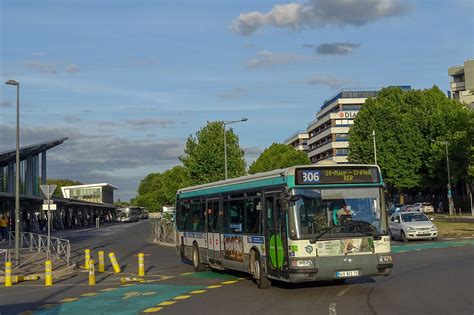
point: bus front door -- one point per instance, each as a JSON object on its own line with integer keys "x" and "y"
{"x": 214, "y": 225}
{"x": 275, "y": 235}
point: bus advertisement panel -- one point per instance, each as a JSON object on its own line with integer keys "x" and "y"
{"x": 303, "y": 223}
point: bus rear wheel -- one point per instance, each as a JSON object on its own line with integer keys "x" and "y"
{"x": 197, "y": 264}
{"x": 261, "y": 281}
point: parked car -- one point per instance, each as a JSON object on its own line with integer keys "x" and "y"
{"x": 406, "y": 208}
{"x": 394, "y": 208}
{"x": 424, "y": 207}
{"x": 412, "y": 226}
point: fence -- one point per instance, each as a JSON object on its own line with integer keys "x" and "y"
{"x": 61, "y": 248}
{"x": 164, "y": 231}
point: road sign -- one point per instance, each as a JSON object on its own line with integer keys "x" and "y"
{"x": 52, "y": 207}
{"x": 48, "y": 190}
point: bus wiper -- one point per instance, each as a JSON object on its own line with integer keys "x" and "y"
{"x": 320, "y": 234}
{"x": 369, "y": 229}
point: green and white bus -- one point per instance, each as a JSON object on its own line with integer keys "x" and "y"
{"x": 303, "y": 223}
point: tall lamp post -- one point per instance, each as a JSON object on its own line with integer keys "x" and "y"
{"x": 375, "y": 147}
{"x": 450, "y": 198}
{"x": 225, "y": 123}
{"x": 17, "y": 171}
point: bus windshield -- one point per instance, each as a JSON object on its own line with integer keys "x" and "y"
{"x": 339, "y": 212}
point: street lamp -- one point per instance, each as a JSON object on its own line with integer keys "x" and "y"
{"x": 17, "y": 171}
{"x": 225, "y": 123}
{"x": 450, "y": 199}
{"x": 375, "y": 147}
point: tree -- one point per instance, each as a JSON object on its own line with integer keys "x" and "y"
{"x": 278, "y": 156}
{"x": 204, "y": 154}
{"x": 410, "y": 127}
{"x": 157, "y": 190}
{"x": 59, "y": 182}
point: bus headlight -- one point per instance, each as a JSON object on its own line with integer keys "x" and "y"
{"x": 385, "y": 259}
{"x": 302, "y": 263}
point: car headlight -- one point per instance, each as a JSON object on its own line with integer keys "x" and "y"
{"x": 410, "y": 229}
{"x": 385, "y": 259}
{"x": 302, "y": 263}
{"x": 434, "y": 228}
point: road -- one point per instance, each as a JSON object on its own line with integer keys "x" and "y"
{"x": 428, "y": 278}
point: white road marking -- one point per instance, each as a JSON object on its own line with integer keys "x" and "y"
{"x": 343, "y": 291}
{"x": 332, "y": 309}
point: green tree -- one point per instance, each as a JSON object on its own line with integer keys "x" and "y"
{"x": 204, "y": 154}
{"x": 278, "y": 156}
{"x": 59, "y": 182}
{"x": 159, "y": 189}
{"x": 409, "y": 128}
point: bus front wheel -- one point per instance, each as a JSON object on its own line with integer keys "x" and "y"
{"x": 262, "y": 281}
{"x": 197, "y": 264}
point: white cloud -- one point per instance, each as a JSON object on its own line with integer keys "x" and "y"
{"x": 267, "y": 58}
{"x": 325, "y": 81}
{"x": 318, "y": 13}
{"x": 233, "y": 94}
{"x": 42, "y": 67}
{"x": 149, "y": 122}
{"x": 72, "y": 68}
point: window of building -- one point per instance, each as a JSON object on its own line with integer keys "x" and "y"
{"x": 342, "y": 152}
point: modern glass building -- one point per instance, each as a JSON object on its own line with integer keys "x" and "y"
{"x": 100, "y": 193}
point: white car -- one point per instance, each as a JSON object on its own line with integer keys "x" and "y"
{"x": 424, "y": 207}
{"x": 412, "y": 226}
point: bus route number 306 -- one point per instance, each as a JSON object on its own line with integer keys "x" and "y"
{"x": 310, "y": 176}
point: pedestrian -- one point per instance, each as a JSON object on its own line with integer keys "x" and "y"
{"x": 4, "y": 227}
{"x": 440, "y": 207}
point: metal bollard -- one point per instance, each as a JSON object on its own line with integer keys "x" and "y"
{"x": 87, "y": 258}
{"x": 141, "y": 265}
{"x": 114, "y": 262}
{"x": 101, "y": 261}
{"x": 8, "y": 274}
{"x": 48, "y": 273}
{"x": 91, "y": 272}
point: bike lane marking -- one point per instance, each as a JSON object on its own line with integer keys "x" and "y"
{"x": 443, "y": 244}
{"x": 124, "y": 300}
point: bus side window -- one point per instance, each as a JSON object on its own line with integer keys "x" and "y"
{"x": 234, "y": 216}
{"x": 252, "y": 216}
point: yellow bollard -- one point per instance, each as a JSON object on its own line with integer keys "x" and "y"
{"x": 48, "y": 273}
{"x": 87, "y": 258}
{"x": 8, "y": 274}
{"x": 101, "y": 261}
{"x": 91, "y": 273}
{"x": 141, "y": 265}
{"x": 114, "y": 262}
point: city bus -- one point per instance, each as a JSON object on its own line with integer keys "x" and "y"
{"x": 303, "y": 223}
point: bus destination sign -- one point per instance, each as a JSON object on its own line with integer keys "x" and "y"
{"x": 337, "y": 175}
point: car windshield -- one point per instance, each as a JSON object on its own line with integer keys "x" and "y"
{"x": 335, "y": 212}
{"x": 414, "y": 217}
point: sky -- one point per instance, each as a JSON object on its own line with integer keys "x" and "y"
{"x": 127, "y": 81}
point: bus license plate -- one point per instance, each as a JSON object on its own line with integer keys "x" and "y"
{"x": 344, "y": 274}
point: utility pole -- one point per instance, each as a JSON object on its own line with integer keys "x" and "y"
{"x": 375, "y": 147}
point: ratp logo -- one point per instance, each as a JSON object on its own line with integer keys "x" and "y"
{"x": 309, "y": 249}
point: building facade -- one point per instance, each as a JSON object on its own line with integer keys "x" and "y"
{"x": 462, "y": 82}
{"x": 328, "y": 134}
{"x": 299, "y": 141}
{"x": 99, "y": 193}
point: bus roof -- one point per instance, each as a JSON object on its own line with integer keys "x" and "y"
{"x": 276, "y": 177}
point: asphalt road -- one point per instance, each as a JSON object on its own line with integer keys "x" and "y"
{"x": 428, "y": 278}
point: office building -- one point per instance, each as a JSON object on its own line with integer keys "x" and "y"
{"x": 462, "y": 82}
{"x": 299, "y": 141}
{"x": 328, "y": 134}
{"x": 99, "y": 193}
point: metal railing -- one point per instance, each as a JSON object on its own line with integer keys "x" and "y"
{"x": 61, "y": 248}
{"x": 6, "y": 254}
{"x": 164, "y": 231}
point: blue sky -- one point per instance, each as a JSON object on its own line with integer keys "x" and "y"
{"x": 129, "y": 81}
